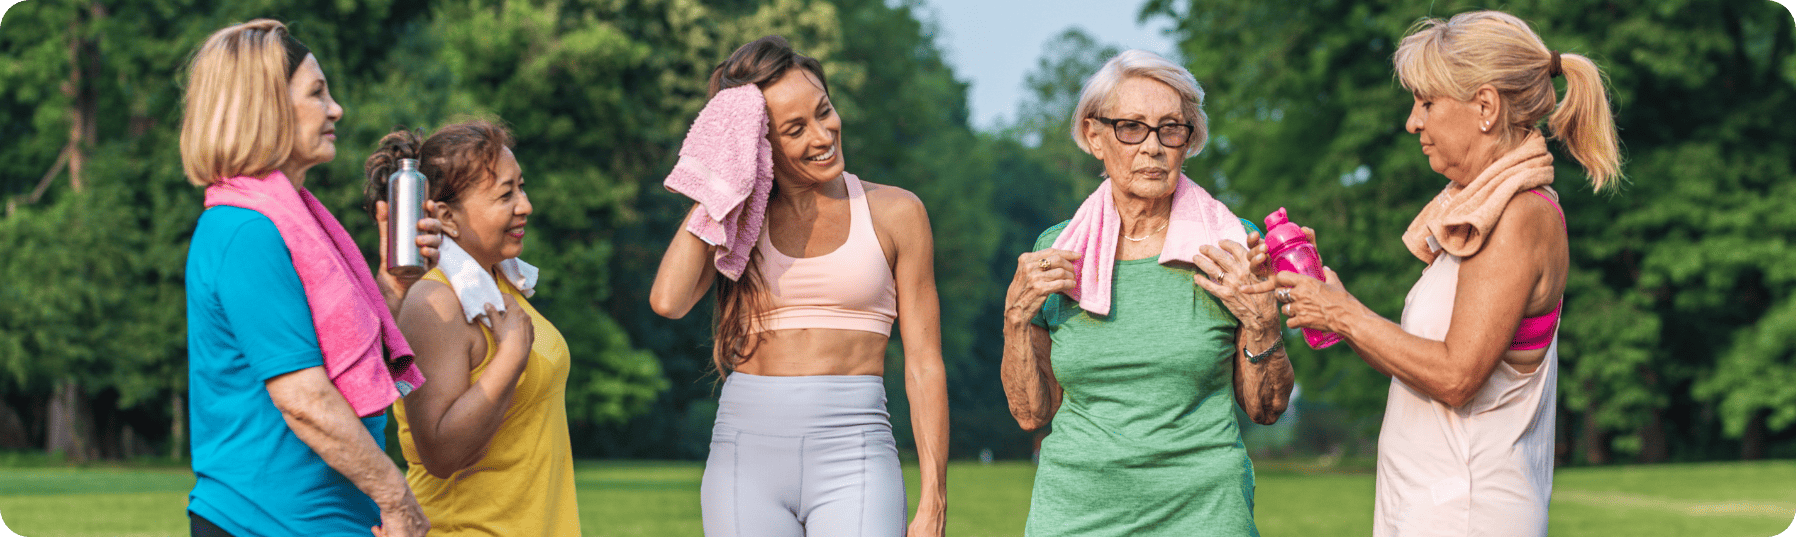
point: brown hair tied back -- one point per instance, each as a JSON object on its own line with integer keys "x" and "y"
{"x": 454, "y": 159}
{"x": 741, "y": 303}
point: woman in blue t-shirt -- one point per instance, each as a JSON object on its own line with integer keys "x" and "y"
{"x": 279, "y": 447}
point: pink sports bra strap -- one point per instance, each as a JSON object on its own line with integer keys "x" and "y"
{"x": 1550, "y": 201}
{"x": 1537, "y": 332}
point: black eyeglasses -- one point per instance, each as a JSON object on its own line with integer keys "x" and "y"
{"x": 1133, "y": 132}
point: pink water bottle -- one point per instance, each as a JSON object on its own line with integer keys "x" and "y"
{"x": 1291, "y": 251}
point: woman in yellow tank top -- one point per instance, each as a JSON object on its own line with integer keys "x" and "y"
{"x": 486, "y": 439}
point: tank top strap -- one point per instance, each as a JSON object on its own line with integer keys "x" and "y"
{"x": 860, "y": 212}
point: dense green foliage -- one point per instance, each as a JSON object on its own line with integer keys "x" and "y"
{"x": 1679, "y": 339}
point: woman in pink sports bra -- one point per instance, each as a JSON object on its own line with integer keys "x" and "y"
{"x": 1467, "y": 443}
{"x": 803, "y": 443}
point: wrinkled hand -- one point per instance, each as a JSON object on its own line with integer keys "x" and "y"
{"x": 1035, "y": 282}
{"x": 1227, "y": 273}
{"x": 1311, "y": 303}
{"x": 511, "y": 325}
{"x": 430, "y": 237}
{"x": 404, "y": 520}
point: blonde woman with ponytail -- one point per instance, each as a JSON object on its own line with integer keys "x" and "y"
{"x": 1467, "y": 443}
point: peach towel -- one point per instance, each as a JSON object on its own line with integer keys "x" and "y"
{"x": 1460, "y": 218}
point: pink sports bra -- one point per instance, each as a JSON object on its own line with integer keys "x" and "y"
{"x": 850, "y": 288}
{"x": 1537, "y": 332}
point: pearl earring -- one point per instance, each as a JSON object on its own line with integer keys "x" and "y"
{"x": 1487, "y": 126}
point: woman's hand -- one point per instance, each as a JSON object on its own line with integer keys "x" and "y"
{"x": 1229, "y": 274}
{"x": 1038, "y": 276}
{"x": 512, "y": 326}
{"x": 430, "y": 238}
{"x": 1310, "y": 303}
{"x": 927, "y": 523}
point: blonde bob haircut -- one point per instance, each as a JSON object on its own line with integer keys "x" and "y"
{"x": 1097, "y": 98}
{"x": 239, "y": 116}
{"x": 1453, "y": 58}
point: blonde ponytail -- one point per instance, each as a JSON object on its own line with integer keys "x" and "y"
{"x": 1584, "y": 123}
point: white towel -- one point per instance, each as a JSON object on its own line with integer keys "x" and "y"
{"x": 475, "y": 287}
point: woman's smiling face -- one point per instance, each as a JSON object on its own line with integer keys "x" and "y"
{"x": 804, "y": 129}
{"x": 488, "y": 221}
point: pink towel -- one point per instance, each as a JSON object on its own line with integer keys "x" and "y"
{"x": 354, "y": 326}
{"x": 1197, "y": 219}
{"x": 726, "y": 165}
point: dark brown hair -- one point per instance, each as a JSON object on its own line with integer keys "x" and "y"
{"x": 742, "y": 302}
{"x": 456, "y": 158}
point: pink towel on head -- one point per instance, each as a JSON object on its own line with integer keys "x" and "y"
{"x": 355, "y": 331}
{"x": 726, "y": 165}
{"x": 1197, "y": 219}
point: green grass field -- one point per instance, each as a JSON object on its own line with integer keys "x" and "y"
{"x": 1754, "y": 499}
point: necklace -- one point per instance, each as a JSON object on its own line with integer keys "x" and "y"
{"x": 1150, "y": 234}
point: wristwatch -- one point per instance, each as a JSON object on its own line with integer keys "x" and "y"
{"x": 1256, "y": 358}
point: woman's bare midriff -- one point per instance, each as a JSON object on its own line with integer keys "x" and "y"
{"x": 804, "y": 352}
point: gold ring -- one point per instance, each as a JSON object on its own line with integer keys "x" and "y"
{"x": 1044, "y": 263}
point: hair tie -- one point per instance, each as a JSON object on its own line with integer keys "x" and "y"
{"x": 296, "y": 53}
{"x": 1553, "y": 67}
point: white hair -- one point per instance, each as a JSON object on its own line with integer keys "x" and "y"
{"x": 1095, "y": 100}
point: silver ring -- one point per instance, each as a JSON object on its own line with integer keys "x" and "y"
{"x": 1284, "y": 295}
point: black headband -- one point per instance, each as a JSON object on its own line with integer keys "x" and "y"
{"x": 296, "y": 53}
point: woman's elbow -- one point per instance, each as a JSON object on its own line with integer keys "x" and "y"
{"x": 443, "y": 465}
{"x": 667, "y": 306}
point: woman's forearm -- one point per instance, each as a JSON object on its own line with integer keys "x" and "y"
{"x": 1027, "y": 384}
{"x": 460, "y": 437}
{"x": 926, "y": 385}
{"x": 322, "y": 419}
{"x": 1264, "y": 389}
{"x": 684, "y": 274}
{"x": 1424, "y": 364}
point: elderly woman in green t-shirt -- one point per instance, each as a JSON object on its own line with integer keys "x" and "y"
{"x": 1126, "y": 330}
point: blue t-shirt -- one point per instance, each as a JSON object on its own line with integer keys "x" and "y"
{"x": 247, "y": 322}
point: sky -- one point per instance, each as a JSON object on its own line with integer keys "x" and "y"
{"x": 993, "y": 44}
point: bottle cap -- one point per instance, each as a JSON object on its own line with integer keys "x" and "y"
{"x": 1280, "y": 230}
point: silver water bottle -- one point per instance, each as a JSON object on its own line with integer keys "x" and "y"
{"x": 406, "y": 191}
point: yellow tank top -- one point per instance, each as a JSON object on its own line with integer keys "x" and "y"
{"x": 524, "y": 485}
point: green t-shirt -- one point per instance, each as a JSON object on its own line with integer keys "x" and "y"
{"x": 1145, "y": 442}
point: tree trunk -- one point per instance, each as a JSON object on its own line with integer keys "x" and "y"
{"x": 1653, "y": 446}
{"x": 70, "y": 428}
{"x": 1752, "y": 444}
{"x": 1595, "y": 439}
{"x": 177, "y": 434}
{"x": 84, "y": 72}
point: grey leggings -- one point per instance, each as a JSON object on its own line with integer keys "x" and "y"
{"x": 803, "y": 456}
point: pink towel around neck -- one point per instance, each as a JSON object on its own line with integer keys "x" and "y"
{"x": 353, "y": 324}
{"x": 726, "y": 165}
{"x": 1197, "y": 219}
{"x": 1461, "y": 217}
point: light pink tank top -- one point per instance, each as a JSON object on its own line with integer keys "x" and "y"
{"x": 1484, "y": 469}
{"x": 850, "y": 288}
